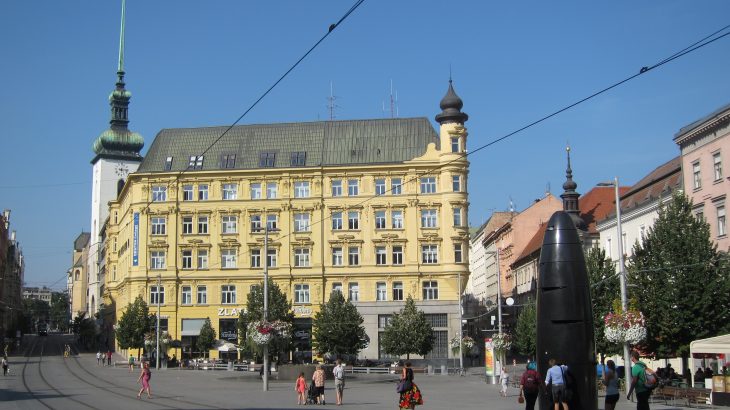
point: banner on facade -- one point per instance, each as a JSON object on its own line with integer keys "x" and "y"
{"x": 135, "y": 240}
{"x": 489, "y": 357}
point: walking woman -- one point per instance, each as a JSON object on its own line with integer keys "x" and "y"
{"x": 610, "y": 380}
{"x": 145, "y": 378}
{"x": 411, "y": 397}
{"x": 530, "y": 384}
{"x": 318, "y": 378}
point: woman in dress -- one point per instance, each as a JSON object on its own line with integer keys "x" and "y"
{"x": 318, "y": 378}
{"x": 301, "y": 388}
{"x": 412, "y": 397}
{"x": 611, "y": 381}
{"x": 145, "y": 378}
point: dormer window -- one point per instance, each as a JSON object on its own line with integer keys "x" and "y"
{"x": 168, "y": 163}
{"x": 298, "y": 159}
{"x": 196, "y": 162}
{"x": 267, "y": 159}
{"x": 228, "y": 160}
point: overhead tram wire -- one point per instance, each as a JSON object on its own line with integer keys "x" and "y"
{"x": 687, "y": 50}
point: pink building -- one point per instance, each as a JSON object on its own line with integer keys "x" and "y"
{"x": 703, "y": 146}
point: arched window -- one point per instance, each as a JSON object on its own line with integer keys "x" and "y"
{"x": 78, "y": 274}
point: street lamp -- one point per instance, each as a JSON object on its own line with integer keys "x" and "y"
{"x": 266, "y": 229}
{"x": 622, "y": 274}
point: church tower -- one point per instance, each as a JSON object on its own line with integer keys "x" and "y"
{"x": 570, "y": 199}
{"x": 452, "y": 131}
{"x": 117, "y": 154}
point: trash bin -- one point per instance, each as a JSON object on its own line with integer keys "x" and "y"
{"x": 230, "y": 365}
{"x": 443, "y": 370}
{"x": 430, "y": 369}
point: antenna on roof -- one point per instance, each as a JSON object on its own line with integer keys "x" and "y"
{"x": 547, "y": 189}
{"x": 331, "y": 106}
{"x": 511, "y": 204}
{"x": 393, "y": 102}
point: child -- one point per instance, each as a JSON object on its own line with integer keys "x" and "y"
{"x": 504, "y": 378}
{"x": 301, "y": 388}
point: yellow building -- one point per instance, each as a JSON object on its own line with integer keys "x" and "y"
{"x": 374, "y": 208}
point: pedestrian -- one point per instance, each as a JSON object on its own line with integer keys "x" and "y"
{"x": 530, "y": 384}
{"x": 98, "y": 358}
{"x": 145, "y": 377}
{"x": 5, "y": 365}
{"x": 109, "y": 358}
{"x": 610, "y": 380}
{"x": 301, "y": 388}
{"x": 638, "y": 378}
{"x": 504, "y": 380}
{"x": 339, "y": 373}
{"x": 318, "y": 378}
{"x": 411, "y": 396}
{"x": 131, "y": 363}
{"x": 556, "y": 380}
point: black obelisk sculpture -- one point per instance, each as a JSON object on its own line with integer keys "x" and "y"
{"x": 564, "y": 318}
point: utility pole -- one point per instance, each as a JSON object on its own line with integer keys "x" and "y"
{"x": 157, "y": 355}
{"x": 622, "y": 280}
{"x": 266, "y": 304}
{"x": 461, "y": 332}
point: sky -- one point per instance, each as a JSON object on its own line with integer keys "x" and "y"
{"x": 203, "y": 63}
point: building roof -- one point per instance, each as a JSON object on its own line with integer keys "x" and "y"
{"x": 717, "y": 115}
{"x": 81, "y": 241}
{"x": 495, "y": 221}
{"x": 325, "y": 143}
{"x": 534, "y": 245}
{"x": 597, "y": 203}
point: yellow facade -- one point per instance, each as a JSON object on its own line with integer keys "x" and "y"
{"x": 307, "y": 240}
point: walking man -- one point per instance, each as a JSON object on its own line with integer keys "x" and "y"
{"x": 5, "y": 366}
{"x": 339, "y": 373}
{"x": 638, "y": 378}
{"x": 555, "y": 378}
{"x": 109, "y": 358}
{"x": 98, "y": 358}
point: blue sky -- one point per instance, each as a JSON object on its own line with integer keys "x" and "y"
{"x": 193, "y": 63}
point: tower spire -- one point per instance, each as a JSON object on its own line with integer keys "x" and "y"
{"x": 570, "y": 196}
{"x": 120, "y": 68}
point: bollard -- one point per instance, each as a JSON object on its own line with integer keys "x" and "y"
{"x": 230, "y": 365}
{"x": 443, "y": 370}
{"x": 430, "y": 370}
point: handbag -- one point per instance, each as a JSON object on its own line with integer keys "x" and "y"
{"x": 520, "y": 399}
{"x": 403, "y": 386}
{"x": 567, "y": 389}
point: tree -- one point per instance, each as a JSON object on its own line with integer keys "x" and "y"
{"x": 133, "y": 324}
{"x": 526, "y": 331}
{"x": 279, "y": 309}
{"x": 680, "y": 281}
{"x": 85, "y": 329}
{"x": 337, "y": 327}
{"x": 604, "y": 287}
{"x": 408, "y": 332}
{"x": 35, "y": 311}
{"x": 59, "y": 310}
{"x": 206, "y": 337}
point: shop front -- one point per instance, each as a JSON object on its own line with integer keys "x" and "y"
{"x": 228, "y": 335}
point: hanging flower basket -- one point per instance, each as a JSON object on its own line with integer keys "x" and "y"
{"x": 467, "y": 343}
{"x": 628, "y": 327}
{"x": 502, "y": 343}
{"x": 263, "y": 333}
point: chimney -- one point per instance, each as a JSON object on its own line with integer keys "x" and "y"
{"x": 6, "y": 215}
{"x": 12, "y": 235}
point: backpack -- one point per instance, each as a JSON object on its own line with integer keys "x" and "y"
{"x": 650, "y": 379}
{"x": 531, "y": 384}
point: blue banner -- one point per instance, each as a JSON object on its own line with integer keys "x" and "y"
{"x": 135, "y": 241}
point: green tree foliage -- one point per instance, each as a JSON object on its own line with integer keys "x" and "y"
{"x": 134, "y": 323}
{"x": 680, "y": 281}
{"x": 279, "y": 309}
{"x": 604, "y": 286}
{"x": 525, "y": 340}
{"x": 35, "y": 311}
{"x": 59, "y": 311}
{"x": 337, "y": 327}
{"x": 409, "y": 332}
{"x": 206, "y": 339}
{"x": 85, "y": 329}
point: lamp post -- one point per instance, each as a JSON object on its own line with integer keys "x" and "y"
{"x": 157, "y": 355}
{"x": 266, "y": 301}
{"x": 622, "y": 274}
{"x": 461, "y": 331}
{"x": 498, "y": 363}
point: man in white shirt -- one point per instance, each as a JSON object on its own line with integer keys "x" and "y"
{"x": 339, "y": 373}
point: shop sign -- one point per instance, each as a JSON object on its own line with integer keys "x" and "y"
{"x": 230, "y": 311}
{"x": 302, "y": 311}
{"x": 135, "y": 241}
{"x": 489, "y": 357}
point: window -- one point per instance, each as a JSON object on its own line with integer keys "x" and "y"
{"x": 337, "y": 257}
{"x": 228, "y": 160}
{"x": 380, "y": 255}
{"x": 397, "y": 290}
{"x": 230, "y": 191}
{"x": 159, "y": 193}
{"x": 187, "y": 259}
{"x": 440, "y": 345}
{"x": 271, "y": 222}
{"x": 697, "y": 178}
{"x": 336, "y": 220}
{"x": 255, "y": 223}
{"x": 717, "y": 166}
{"x": 168, "y": 163}
{"x": 337, "y": 287}
{"x": 196, "y": 162}
{"x": 458, "y": 253}
{"x": 267, "y": 159}
{"x": 256, "y": 258}
{"x": 203, "y": 192}
{"x": 454, "y": 144}
{"x": 437, "y": 319}
{"x": 456, "y": 183}
{"x": 186, "y": 295}
{"x": 229, "y": 223}
{"x": 380, "y": 187}
{"x": 428, "y": 218}
{"x": 301, "y": 293}
{"x": 381, "y": 292}
{"x": 457, "y": 217}
{"x": 353, "y": 187}
{"x": 228, "y": 294}
{"x": 202, "y": 259}
{"x": 271, "y": 190}
{"x": 157, "y": 295}
{"x": 428, "y": 185}
{"x": 396, "y": 219}
{"x": 721, "y": 227}
{"x": 396, "y": 187}
{"x": 429, "y": 254}
{"x": 157, "y": 260}
{"x": 271, "y": 258}
{"x": 187, "y": 192}
{"x": 384, "y": 321}
{"x": 298, "y": 159}
{"x": 202, "y": 297}
{"x": 353, "y": 220}
{"x": 228, "y": 258}
{"x": 158, "y": 226}
{"x": 397, "y": 255}
{"x": 256, "y": 190}
{"x": 301, "y": 222}
{"x": 301, "y": 257}
{"x": 336, "y": 187}
{"x": 430, "y": 290}
{"x": 379, "y": 219}
{"x": 354, "y": 292}
{"x": 203, "y": 224}
{"x": 353, "y": 256}
{"x": 301, "y": 189}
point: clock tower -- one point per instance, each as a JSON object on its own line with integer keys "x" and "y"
{"x": 117, "y": 154}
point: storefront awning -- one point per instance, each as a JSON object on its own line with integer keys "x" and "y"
{"x": 191, "y": 327}
{"x": 718, "y": 345}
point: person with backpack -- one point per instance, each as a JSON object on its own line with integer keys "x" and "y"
{"x": 610, "y": 380}
{"x": 556, "y": 379}
{"x": 530, "y": 385}
{"x": 639, "y": 382}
